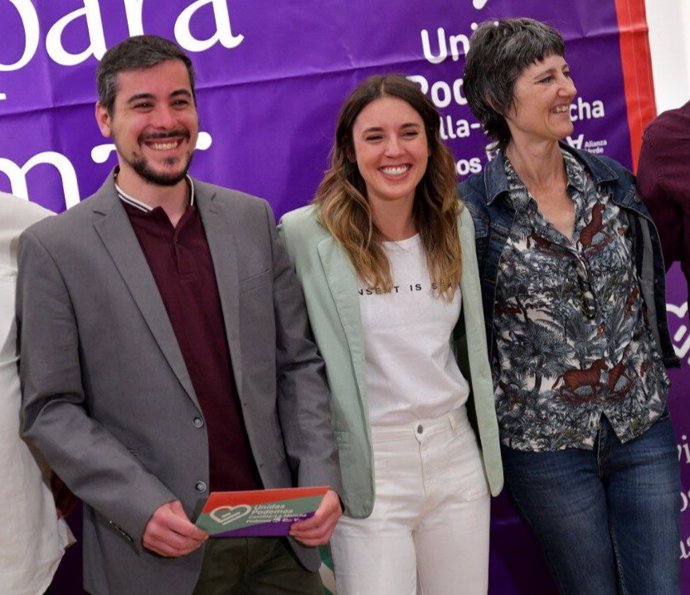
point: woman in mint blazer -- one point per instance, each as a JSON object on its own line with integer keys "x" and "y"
{"x": 386, "y": 257}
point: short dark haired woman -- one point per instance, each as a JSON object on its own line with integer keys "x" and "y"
{"x": 573, "y": 290}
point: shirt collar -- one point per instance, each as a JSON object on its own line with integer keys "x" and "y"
{"x": 517, "y": 191}
{"x": 130, "y": 200}
{"x": 574, "y": 171}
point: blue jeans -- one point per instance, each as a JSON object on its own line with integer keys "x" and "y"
{"x": 607, "y": 520}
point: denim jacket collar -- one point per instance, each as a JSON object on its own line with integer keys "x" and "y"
{"x": 496, "y": 182}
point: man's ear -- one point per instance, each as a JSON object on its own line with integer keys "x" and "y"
{"x": 103, "y": 119}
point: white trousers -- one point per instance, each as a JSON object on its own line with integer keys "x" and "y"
{"x": 429, "y": 530}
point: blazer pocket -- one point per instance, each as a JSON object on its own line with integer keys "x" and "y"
{"x": 255, "y": 281}
{"x": 120, "y": 531}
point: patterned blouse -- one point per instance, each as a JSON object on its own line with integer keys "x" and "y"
{"x": 573, "y": 340}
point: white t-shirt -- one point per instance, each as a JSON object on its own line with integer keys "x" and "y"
{"x": 32, "y": 538}
{"x": 411, "y": 371}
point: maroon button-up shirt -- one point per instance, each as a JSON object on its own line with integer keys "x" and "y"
{"x": 180, "y": 260}
{"x": 663, "y": 179}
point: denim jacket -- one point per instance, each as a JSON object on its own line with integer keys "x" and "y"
{"x": 485, "y": 195}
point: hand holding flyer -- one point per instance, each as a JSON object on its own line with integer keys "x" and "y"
{"x": 258, "y": 513}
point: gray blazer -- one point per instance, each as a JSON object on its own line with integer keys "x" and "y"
{"x": 330, "y": 286}
{"x": 107, "y": 397}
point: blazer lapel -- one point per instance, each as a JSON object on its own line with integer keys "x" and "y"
{"x": 342, "y": 282}
{"x": 469, "y": 284}
{"x": 115, "y": 230}
{"x": 221, "y": 236}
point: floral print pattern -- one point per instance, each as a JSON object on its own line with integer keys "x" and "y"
{"x": 572, "y": 338}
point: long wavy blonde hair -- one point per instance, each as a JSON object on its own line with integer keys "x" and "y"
{"x": 343, "y": 208}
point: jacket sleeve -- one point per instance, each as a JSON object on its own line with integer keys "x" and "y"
{"x": 96, "y": 466}
{"x": 303, "y": 395}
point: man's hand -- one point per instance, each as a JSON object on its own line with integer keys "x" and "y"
{"x": 318, "y": 529}
{"x": 170, "y": 533}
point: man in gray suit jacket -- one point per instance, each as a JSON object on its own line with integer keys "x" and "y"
{"x": 167, "y": 352}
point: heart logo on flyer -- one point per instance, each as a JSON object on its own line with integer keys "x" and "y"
{"x": 228, "y": 514}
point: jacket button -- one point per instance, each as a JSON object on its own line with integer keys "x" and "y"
{"x": 200, "y": 486}
{"x": 198, "y": 422}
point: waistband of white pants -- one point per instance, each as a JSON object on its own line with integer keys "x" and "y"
{"x": 447, "y": 421}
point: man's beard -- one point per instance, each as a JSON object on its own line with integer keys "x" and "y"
{"x": 141, "y": 166}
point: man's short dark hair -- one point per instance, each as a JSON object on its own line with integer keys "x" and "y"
{"x": 499, "y": 52}
{"x": 136, "y": 53}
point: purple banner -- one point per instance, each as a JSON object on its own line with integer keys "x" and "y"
{"x": 271, "y": 77}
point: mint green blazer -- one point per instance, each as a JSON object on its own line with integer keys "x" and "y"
{"x": 330, "y": 289}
